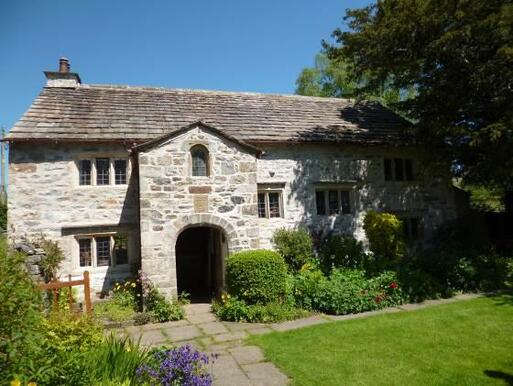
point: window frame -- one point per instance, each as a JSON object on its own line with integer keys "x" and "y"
{"x": 266, "y": 193}
{"x": 344, "y": 207}
{"x": 94, "y": 252}
{"x": 205, "y": 150}
{"x": 405, "y": 167}
{"x": 93, "y": 173}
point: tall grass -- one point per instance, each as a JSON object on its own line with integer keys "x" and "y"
{"x": 116, "y": 360}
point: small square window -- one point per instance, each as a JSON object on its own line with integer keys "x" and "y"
{"x": 120, "y": 173}
{"x": 121, "y": 249}
{"x": 320, "y": 202}
{"x": 274, "y": 205}
{"x": 84, "y": 172}
{"x": 333, "y": 206}
{"x": 261, "y": 205}
{"x": 85, "y": 256}
{"x": 103, "y": 251}
{"x": 269, "y": 205}
{"x": 344, "y": 202}
{"x": 102, "y": 171}
{"x": 399, "y": 171}
{"x": 388, "y": 170}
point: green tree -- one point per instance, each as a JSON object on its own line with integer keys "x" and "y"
{"x": 458, "y": 57}
{"x": 334, "y": 78}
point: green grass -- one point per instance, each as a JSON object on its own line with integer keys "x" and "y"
{"x": 465, "y": 343}
{"x": 110, "y": 310}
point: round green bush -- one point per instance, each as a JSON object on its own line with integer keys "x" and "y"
{"x": 256, "y": 276}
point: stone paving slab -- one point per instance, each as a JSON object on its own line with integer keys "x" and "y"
{"x": 265, "y": 374}
{"x": 201, "y": 318}
{"x": 298, "y": 323}
{"x": 152, "y": 338}
{"x": 226, "y": 371}
{"x": 238, "y": 335}
{"x": 245, "y": 355}
{"x": 213, "y": 328}
{"x": 177, "y": 334}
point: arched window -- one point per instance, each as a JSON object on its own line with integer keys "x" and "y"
{"x": 199, "y": 156}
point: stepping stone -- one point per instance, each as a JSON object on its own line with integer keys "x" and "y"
{"x": 236, "y": 326}
{"x": 212, "y": 328}
{"x": 160, "y": 326}
{"x": 246, "y": 355}
{"x": 265, "y": 374}
{"x": 197, "y": 308}
{"x": 230, "y": 336}
{"x": 298, "y": 323}
{"x": 176, "y": 334}
{"x": 153, "y": 337}
{"x": 201, "y": 318}
{"x": 226, "y": 372}
{"x": 260, "y": 331}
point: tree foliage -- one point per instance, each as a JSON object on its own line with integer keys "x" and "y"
{"x": 458, "y": 56}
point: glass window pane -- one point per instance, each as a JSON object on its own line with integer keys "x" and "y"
{"x": 85, "y": 252}
{"x": 261, "y": 205}
{"x": 121, "y": 249}
{"x": 102, "y": 171}
{"x": 199, "y": 161}
{"x": 408, "y": 168}
{"x": 320, "y": 202}
{"x": 344, "y": 202}
{"x": 333, "y": 202}
{"x": 120, "y": 171}
{"x": 399, "y": 171}
{"x": 388, "y": 170}
{"x": 84, "y": 172}
{"x": 274, "y": 205}
{"x": 102, "y": 251}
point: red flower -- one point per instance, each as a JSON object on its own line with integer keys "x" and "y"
{"x": 378, "y": 299}
{"x": 393, "y": 285}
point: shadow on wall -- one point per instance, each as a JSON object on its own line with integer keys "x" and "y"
{"x": 363, "y": 174}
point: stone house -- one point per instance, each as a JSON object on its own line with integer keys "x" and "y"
{"x": 173, "y": 180}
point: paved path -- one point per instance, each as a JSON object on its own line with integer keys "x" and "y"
{"x": 239, "y": 363}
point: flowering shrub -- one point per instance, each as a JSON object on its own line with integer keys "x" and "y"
{"x": 346, "y": 291}
{"x": 178, "y": 366}
{"x": 386, "y": 235}
{"x": 235, "y": 310}
{"x": 156, "y": 305}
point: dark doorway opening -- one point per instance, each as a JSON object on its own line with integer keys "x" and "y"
{"x": 200, "y": 253}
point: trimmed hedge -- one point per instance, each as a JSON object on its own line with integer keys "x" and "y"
{"x": 256, "y": 276}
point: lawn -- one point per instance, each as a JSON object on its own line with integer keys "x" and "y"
{"x": 469, "y": 342}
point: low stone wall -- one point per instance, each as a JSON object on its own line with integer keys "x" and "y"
{"x": 33, "y": 260}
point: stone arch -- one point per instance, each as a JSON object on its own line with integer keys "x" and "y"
{"x": 199, "y": 266}
{"x": 210, "y": 220}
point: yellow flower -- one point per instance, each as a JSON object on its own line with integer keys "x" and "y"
{"x": 32, "y": 384}
{"x": 128, "y": 349}
{"x": 15, "y": 382}
{"x": 133, "y": 285}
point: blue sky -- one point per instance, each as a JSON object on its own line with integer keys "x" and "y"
{"x": 223, "y": 45}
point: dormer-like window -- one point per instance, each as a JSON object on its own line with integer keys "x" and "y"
{"x": 199, "y": 156}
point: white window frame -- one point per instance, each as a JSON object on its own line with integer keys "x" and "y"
{"x": 326, "y": 191}
{"x": 94, "y": 261}
{"x": 112, "y": 177}
{"x": 266, "y": 192}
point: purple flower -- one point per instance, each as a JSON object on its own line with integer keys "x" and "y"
{"x": 178, "y": 366}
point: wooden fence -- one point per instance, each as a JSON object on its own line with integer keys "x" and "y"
{"x": 55, "y": 286}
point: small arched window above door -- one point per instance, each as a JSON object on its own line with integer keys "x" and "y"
{"x": 199, "y": 157}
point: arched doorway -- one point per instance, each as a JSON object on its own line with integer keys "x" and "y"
{"x": 200, "y": 255}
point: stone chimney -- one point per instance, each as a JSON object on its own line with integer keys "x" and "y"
{"x": 62, "y": 78}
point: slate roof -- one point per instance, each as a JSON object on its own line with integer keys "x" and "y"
{"x": 139, "y": 114}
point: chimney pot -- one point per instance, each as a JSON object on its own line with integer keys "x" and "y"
{"x": 64, "y": 65}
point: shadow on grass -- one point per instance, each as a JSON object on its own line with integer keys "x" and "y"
{"x": 507, "y": 378}
{"x": 503, "y": 298}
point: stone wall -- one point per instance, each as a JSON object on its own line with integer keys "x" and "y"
{"x": 45, "y": 198}
{"x": 303, "y": 168}
{"x": 171, "y": 199}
